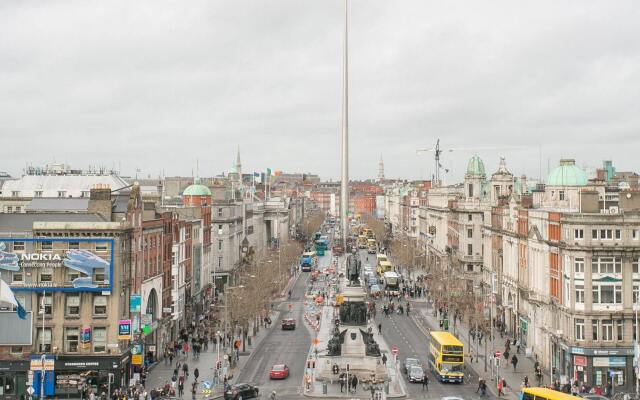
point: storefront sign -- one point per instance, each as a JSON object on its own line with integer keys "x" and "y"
{"x": 603, "y": 352}
{"x": 580, "y": 361}
{"x": 135, "y": 302}
{"x": 124, "y": 329}
{"x": 524, "y": 325}
{"x": 136, "y": 359}
{"x": 83, "y": 363}
{"x": 87, "y": 267}
{"x": 609, "y": 361}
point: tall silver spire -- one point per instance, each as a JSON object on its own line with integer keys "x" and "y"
{"x": 344, "y": 187}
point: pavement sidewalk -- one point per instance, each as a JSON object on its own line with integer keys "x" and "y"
{"x": 513, "y": 378}
{"x": 162, "y": 372}
{"x": 205, "y": 364}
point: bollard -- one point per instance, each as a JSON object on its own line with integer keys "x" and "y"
{"x": 324, "y": 387}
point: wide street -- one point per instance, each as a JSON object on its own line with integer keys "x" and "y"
{"x": 401, "y": 331}
{"x": 288, "y": 347}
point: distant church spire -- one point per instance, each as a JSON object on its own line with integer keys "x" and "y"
{"x": 238, "y": 164}
{"x": 381, "y": 169}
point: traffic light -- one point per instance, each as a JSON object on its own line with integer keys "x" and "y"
{"x": 446, "y": 324}
{"x": 347, "y": 367}
{"x": 218, "y": 364}
{"x": 441, "y": 324}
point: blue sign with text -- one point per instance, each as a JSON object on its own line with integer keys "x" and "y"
{"x": 59, "y": 264}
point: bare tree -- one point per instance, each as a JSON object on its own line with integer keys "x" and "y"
{"x": 375, "y": 225}
{"x": 313, "y": 223}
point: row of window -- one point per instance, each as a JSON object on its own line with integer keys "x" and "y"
{"x": 605, "y": 234}
{"x": 72, "y": 304}
{"x": 46, "y": 275}
{"x": 99, "y": 247}
{"x": 61, "y": 193}
{"x": 603, "y": 265}
{"x": 72, "y": 339}
{"x": 607, "y": 330}
{"x": 606, "y": 293}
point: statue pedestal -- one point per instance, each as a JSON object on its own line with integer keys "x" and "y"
{"x": 353, "y": 345}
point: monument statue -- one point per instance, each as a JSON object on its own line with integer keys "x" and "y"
{"x": 371, "y": 347}
{"x": 353, "y": 270}
{"x": 353, "y": 313}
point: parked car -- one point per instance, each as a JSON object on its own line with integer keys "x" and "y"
{"x": 241, "y": 391}
{"x": 288, "y": 324}
{"x": 416, "y": 374}
{"x": 279, "y": 371}
{"x": 410, "y": 362}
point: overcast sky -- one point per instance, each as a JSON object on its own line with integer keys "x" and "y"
{"x": 157, "y": 85}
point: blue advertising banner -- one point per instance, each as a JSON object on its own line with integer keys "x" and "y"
{"x": 59, "y": 264}
{"x": 135, "y": 302}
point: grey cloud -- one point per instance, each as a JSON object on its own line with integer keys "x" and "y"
{"x": 157, "y": 85}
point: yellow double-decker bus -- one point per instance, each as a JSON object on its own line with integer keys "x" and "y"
{"x": 446, "y": 357}
{"x": 538, "y": 393}
{"x": 372, "y": 246}
{"x": 362, "y": 242}
{"x": 368, "y": 232}
{"x": 384, "y": 266}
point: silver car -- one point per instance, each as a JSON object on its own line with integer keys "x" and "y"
{"x": 410, "y": 362}
{"x": 416, "y": 374}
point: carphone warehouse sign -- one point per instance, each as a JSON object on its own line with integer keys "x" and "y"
{"x": 62, "y": 265}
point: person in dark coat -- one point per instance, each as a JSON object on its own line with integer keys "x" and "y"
{"x": 354, "y": 383}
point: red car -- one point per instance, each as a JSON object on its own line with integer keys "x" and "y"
{"x": 279, "y": 371}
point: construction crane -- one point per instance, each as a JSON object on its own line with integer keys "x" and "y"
{"x": 438, "y": 151}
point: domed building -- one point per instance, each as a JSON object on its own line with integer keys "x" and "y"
{"x": 564, "y": 184}
{"x": 196, "y": 195}
{"x": 475, "y": 180}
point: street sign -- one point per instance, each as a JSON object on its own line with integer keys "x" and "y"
{"x": 394, "y": 349}
{"x": 498, "y": 354}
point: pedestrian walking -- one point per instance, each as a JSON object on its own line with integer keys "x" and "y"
{"x": 380, "y": 328}
{"x": 185, "y": 369}
{"x": 194, "y": 389}
{"x": 514, "y": 362}
{"x": 425, "y": 383}
{"x": 384, "y": 359}
{"x": 196, "y": 374}
{"x": 354, "y": 383}
{"x": 480, "y": 381}
{"x": 342, "y": 379}
{"x": 181, "y": 386}
{"x": 500, "y": 392}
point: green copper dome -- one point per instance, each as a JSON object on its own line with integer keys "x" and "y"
{"x": 567, "y": 174}
{"x": 475, "y": 166}
{"x": 197, "y": 190}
